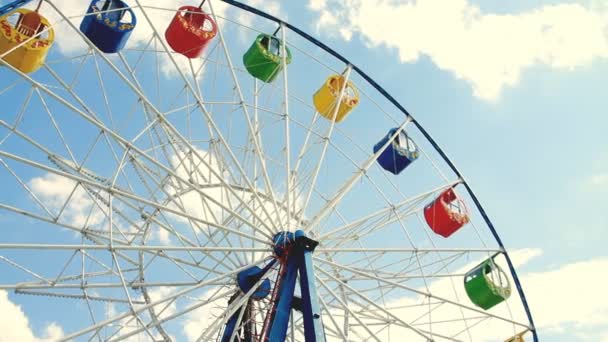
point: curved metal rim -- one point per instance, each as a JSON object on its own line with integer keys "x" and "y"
{"x": 432, "y": 141}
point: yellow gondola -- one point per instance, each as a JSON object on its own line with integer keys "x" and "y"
{"x": 326, "y": 98}
{"x": 517, "y": 338}
{"x": 23, "y": 25}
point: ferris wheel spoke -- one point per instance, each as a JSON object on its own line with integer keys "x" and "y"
{"x": 238, "y": 303}
{"x": 446, "y": 266}
{"x": 403, "y": 275}
{"x": 306, "y": 145}
{"x": 286, "y": 117}
{"x": 178, "y": 201}
{"x": 371, "y": 264}
{"x": 217, "y": 295}
{"x": 327, "y": 313}
{"x": 369, "y": 301}
{"x": 128, "y": 294}
{"x": 27, "y": 189}
{"x": 412, "y": 290}
{"x": 156, "y": 112}
{"x": 50, "y": 219}
{"x": 210, "y": 120}
{"x": 121, "y": 193}
{"x": 348, "y": 185}
{"x": 24, "y": 287}
{"x": 346, "y": 307}
{"x": 383, "y": 217}
{"x": 77, "y": 281}
{"x": 257, "y": 142}
{"x": 196, "y": 167}
{"x": 327, "y": 137}
{"x": 105, "y": 97}
{"x": 160, "y": 301}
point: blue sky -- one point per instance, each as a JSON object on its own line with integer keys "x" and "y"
{"x": 516, "y": 95}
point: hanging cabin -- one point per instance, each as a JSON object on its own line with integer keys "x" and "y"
{"x": 487, "y": 285}
{"x": 264, "y": 59}
{"x": 517, "y": 338}
{"x": 327, "y": 97}
{"x": 108, "y": 24}
{"x": 190, "y": 31}
{"x": 28, "y": 36}
{"x": 446, "y": 214}
{"x": 399, "y": 154}
{"x": 247, "y": 279}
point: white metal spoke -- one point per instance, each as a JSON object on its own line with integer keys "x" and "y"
{"x": 419, "y": 292}
{"x": 347, "y": 186}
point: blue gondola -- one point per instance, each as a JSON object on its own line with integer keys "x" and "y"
{"x": 399, "y": 154}
{"x": 108, "y": 24}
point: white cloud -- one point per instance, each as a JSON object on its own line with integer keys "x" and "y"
{"x": 570, "y": 297}
{"x": 53, "y": 190}
{"x": 198, "y": 320}
{"x": 15, "y": 326}
{"x": 490, "y": 51}
{"x": 163, "y": 310}
{"x": 598, "y": 180}
{"x": 199, "y": 171}
{"x": 317, "y": 5}
{"x": 163, "y": 236}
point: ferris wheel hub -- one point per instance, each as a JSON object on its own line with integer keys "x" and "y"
{"x": 286, "y": 242}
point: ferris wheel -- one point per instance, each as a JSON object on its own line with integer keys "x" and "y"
{"x": 209, "y": 172}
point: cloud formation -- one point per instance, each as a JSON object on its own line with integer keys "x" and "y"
{"x": 599, "y": 180}
{"x": 54, "y": 190}
{"x": 570, "y": 298}
{"x": 15, "y": 326}
{"x": 490, "y": 51}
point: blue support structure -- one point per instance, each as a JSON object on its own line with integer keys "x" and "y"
{"x": 230, "y": 326}
{"x": 313, "y": 325}
{"x": 282, "y": 308}
{"x": 298, "y": 249}
{"x": 246, "y": 326}
{"x": 11, "y": 6}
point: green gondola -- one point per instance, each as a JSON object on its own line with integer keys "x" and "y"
{"x": 263, "y": 60}
{"x": 487, "y": 285}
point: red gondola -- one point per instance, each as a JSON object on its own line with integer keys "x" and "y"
{"x": 190, "y": 31}
{"x": 446, "y": 214}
